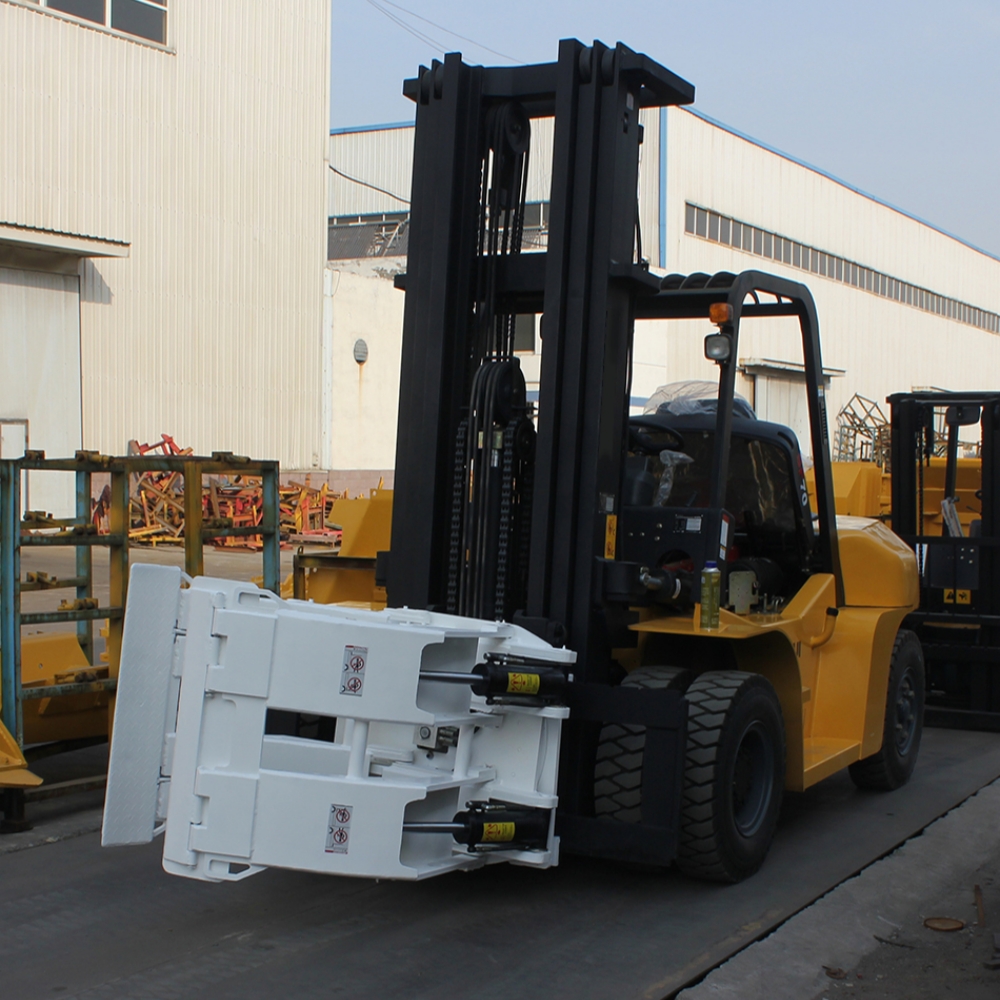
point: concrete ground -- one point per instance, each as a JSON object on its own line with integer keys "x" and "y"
{"x": 598, "y": 930}
{"x": 867, "y": 937}
{"x": 82, "y": 921}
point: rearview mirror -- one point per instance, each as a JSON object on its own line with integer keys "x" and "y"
{"x": 962, "y": 415}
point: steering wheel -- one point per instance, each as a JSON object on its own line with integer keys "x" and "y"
{"x": 651, "y": 437}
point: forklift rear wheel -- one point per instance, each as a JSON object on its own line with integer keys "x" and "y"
{"x": 892, "y": 766}
{"x": 734, "y": 775}
{"x": 618, "y": 772}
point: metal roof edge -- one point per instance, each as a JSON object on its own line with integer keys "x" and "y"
{"x": 832, "y": 177}
{"x": 348, "y": 129}
{"x": 54, "y": 240}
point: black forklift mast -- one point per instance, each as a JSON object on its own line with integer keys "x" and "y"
{"x": 585, "y": 286}
{"x": 958, "y": 620}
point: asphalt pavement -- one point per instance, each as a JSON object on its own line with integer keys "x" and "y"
{"x": 80, "y": 921}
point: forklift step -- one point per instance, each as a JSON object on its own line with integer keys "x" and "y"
{"x": 823, "y": 756}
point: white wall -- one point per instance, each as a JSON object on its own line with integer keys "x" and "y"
{"x": 208, "y": 157}
{"x": 363, "y": 304}
{"x": 40, "y": 375}
{"x": 884, "y": 346}
{"x": 881, "y": 345}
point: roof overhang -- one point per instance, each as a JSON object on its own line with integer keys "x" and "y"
{"x": 792, "y": 370}
{"x": 56, "y": 242}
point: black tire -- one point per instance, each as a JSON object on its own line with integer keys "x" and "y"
{"x": 734, "y": 775}
{"x": 618, "y": 771}
{"x": 892, "y": 766}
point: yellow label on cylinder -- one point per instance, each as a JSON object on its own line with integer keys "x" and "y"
{"x": 497, "y": 833}
{"x": 523, "y": 683}
{"x": 610, "y": 535}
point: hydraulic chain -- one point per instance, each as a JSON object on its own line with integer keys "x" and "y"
{"x": 458, "y": 490}
{"x": 506, "y": 504}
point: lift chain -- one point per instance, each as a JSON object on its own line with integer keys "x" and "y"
{"x": 506, "y": 502}
{"x": 457, "y": 506}
{"x": 525, "y": 495}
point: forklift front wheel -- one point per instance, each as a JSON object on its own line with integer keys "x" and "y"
{"x": 892, "y": 766}
{"x": 618, "y": 772}
{"x": 734, "y": 775}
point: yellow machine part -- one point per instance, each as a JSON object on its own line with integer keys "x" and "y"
{"x": 830, "y": 673}
{"x": 353, "y": 586}
{"x": 56, "y": 658}
{"x": 367, "y": 524}
{"x": 14, "y": 771}
{"x": 349, "y": 576}
{"x": 859, "y": 488}
{"x": 863, "y": 489}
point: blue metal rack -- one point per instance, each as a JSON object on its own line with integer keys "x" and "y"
{"x": 17, "y": 532}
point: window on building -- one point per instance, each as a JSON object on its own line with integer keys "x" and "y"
{"x": 142, "y": 18}
{"x": 742, "y": 236}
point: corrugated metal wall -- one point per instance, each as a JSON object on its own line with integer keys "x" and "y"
{"x": 210, "y": 160}
{"x": 383, "y": 158}
{"x": 883, "y": 346}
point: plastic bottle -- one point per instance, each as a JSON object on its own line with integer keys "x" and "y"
{"x": 711, "y": 593}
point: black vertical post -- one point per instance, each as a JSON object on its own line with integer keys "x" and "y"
{"x": 819, "y": 425}
{"x": 589, "y": 312}
{"x": 905, "y": 456}
{"x": 436, "y": 324}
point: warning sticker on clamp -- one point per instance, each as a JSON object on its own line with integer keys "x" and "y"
{"x": 352, "y": 677}
{"x": 498, "y": 833}
{"x": 338, "y": 832}
{"x": 518, "y": 683}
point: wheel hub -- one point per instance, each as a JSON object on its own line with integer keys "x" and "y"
{"x": 906, "y": 714}
{"x": 753, "y": 779}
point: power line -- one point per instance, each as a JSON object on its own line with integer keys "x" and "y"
{"x": 441, "y": 27}
{"x": 426, "y": 39}
{"x": 356, "y": 180}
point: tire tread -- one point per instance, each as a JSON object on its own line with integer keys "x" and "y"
{"x": 618, "y": 772}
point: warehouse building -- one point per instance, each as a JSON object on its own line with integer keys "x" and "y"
{"x": 162, "y": 228}
{"x": 901, "y": 303}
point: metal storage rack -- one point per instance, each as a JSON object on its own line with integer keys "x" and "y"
{"x": 80, "y": 532}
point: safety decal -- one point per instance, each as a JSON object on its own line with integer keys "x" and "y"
{"x": 952, "y": 596}
{"x": 518, "y": 683}
{"x": 498, "y": 833}
{"x": 352, "y": 677}
{"x": 338, "y": 832}
{"x": 610, "y": 535}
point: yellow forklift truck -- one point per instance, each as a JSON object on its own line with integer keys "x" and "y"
{"x": 580, "y": 543}
{"x": 680, "y": 738}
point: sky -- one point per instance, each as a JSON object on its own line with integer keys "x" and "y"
{"x": 899, "y": 99}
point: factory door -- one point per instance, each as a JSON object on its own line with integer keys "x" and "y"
{"x": 782, "y": 400}
{"x": 40, "y": 374}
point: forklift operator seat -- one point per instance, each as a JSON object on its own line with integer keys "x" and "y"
{"x": 764, "y": 495}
